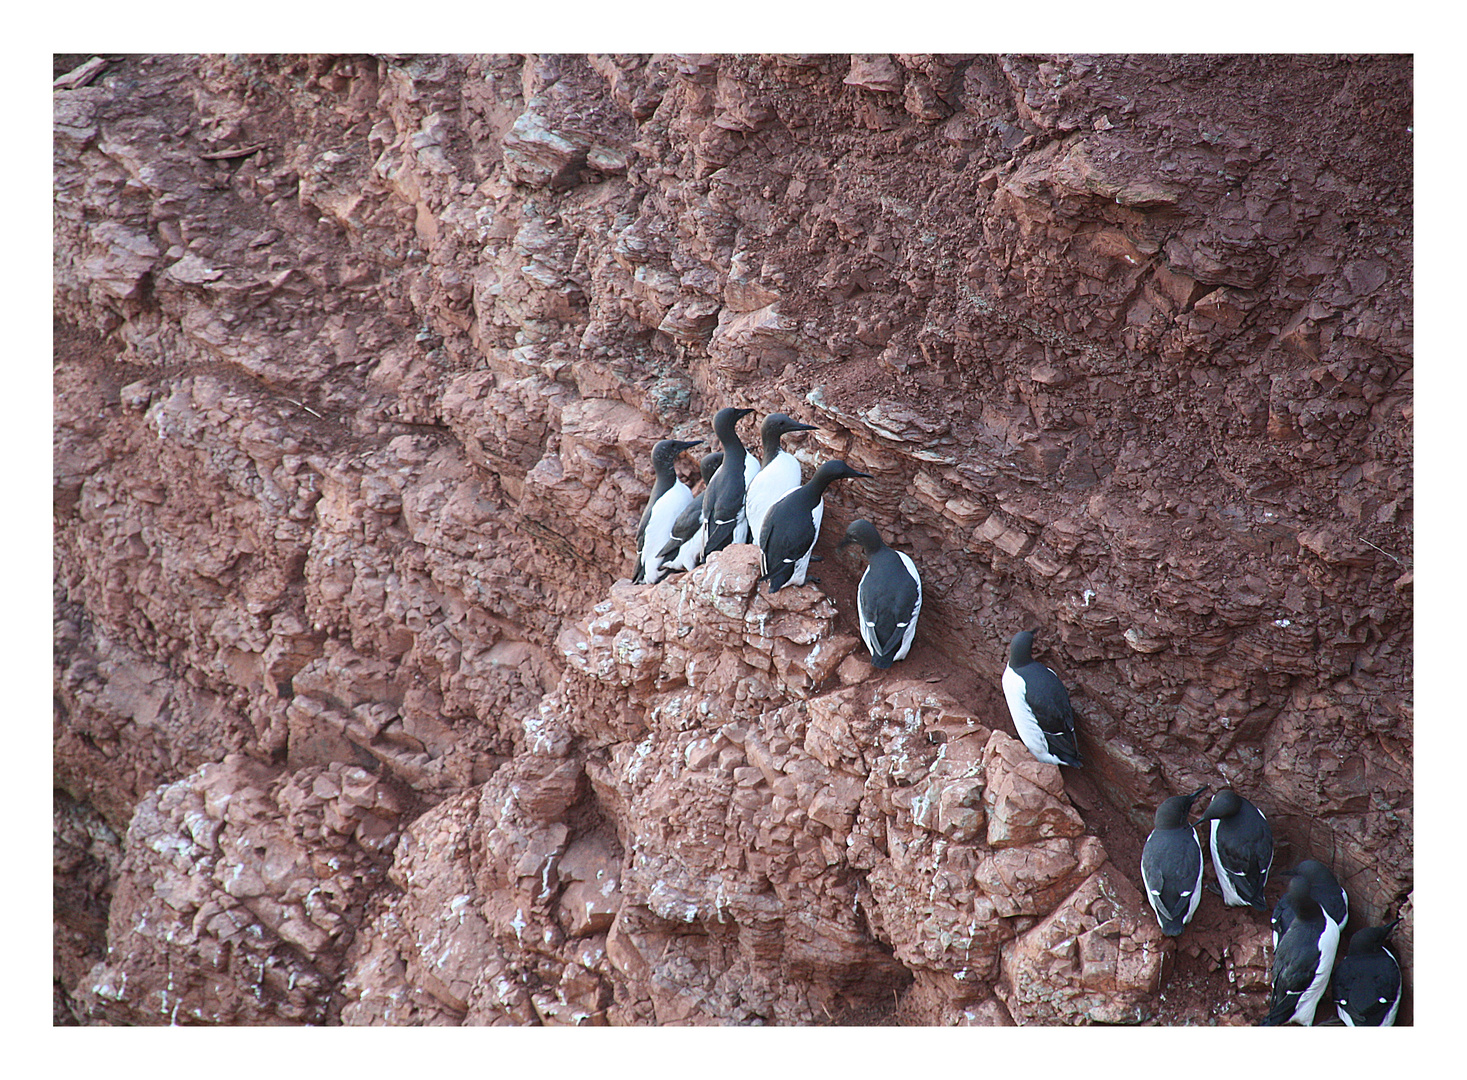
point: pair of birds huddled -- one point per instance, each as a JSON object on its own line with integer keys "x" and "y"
{"x": 745, "y": 501}
{"x": 1307, "y": 920}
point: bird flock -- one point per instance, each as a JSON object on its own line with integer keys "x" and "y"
{"x": 1307, "y": 921}
{"x": 762, "y": 500}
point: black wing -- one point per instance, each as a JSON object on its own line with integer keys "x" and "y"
{"x": 1295, "y": 963}
{"x": 1050, "y": 701}
{"x": 722, "y": 503}
{"x": 683, "y": 528}
{"x": 1241, "y": 857}
{"x": 1167, "y": 866}
{"x": 784, "y": 540}
{"x": 887, "y": 596}
{"x": 1360, "y": 983}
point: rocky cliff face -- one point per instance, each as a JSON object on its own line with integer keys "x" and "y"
{"x": 359, "y": 362}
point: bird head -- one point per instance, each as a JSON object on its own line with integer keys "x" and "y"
{"x": 864, "y": 533}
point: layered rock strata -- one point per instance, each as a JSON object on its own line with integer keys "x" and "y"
{"x": 359, "y": 361}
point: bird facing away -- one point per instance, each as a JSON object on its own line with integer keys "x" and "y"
{"x": 1326, "y": 892}
{"x": 1040, "y": 705}
{"x": 1302, "y": 959}
{"x": 1367, "y": 981}
{"x": 793, "y": 525}
{"x": 780, "y": 472}
{"x": 1242, "y": 849}
{"x": 888, "y": 598}
{"x": 1171, "y": 864}
{"x": 724, "y": 519}
{"x": 685, "y": 548}
{"x": 669, "y": 496}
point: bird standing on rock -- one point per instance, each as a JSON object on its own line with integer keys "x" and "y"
{"x": 888, "y": 598}
{"x": 724, "y": 515}
{"x": 1040, "y": 705}
{"x": 1326, "y": 892}
{"x": 685, "y": 548}
{"x": 780, "y": 472}
{"x": 793, "y": 525}
{"x": 669, "y": 496}
{"x": 1302, "y": 959}
{"x": 1171, "y": 864}
{"x": 1242, "y": 849}
{"x": 1367, "y": 982}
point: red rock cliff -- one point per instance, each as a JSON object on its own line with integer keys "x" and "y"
{"x": 359, "y": 362}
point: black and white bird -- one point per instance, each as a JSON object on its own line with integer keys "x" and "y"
{"x": 1040, "y": 705}
{"x": 888, "y": 598}
{"x": 1367, "y": 981}
{"x": 1327, "y": 894}
{"x": 684, "y": 550}
{"x": 668, "y": 499}
{"x": 1242, "y": 848}
{"x": 778, "y": 475}
{"x": 1171, "y": 864}
{"x": 724, "y": 515}
{"x": 793, "y": 525}
{"x": 1302, "y": 959}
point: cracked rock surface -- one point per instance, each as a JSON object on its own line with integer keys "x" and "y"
{"x": 359, "y": 361}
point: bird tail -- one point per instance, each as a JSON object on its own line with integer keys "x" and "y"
{"x": 1280, "y": 1011}
{"x": 1065, "y": 746}
{"x": 779, "y": 578}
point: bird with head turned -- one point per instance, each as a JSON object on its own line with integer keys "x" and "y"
{"x": 888, "y": 596}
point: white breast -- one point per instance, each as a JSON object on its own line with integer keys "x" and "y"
{"x": 1224, "y": 879}
{"x": 774, "y": 482}
{"x": 659, "y": 528}
{"x": 1025, "y": 722}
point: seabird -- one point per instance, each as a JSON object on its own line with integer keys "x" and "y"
{"x": 1302, "y": 959}
{"x": 793, "y": 525}
{"x": 685, "y": 549}
{"x": 888, "y": 598}
{"x": 1171, "y": 864}
{"x": 1367, "y": 982}
{"x": 780, "y": 472}
{"x": 1039, "y": 705}
{"x": 1242, "y": 849}
{"x": 1326, "y": 892}
{"x": 724, "y": 519}
{"x": 668, "y": 499}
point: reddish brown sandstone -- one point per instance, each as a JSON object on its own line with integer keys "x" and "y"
{"x": 359, "y": 362}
